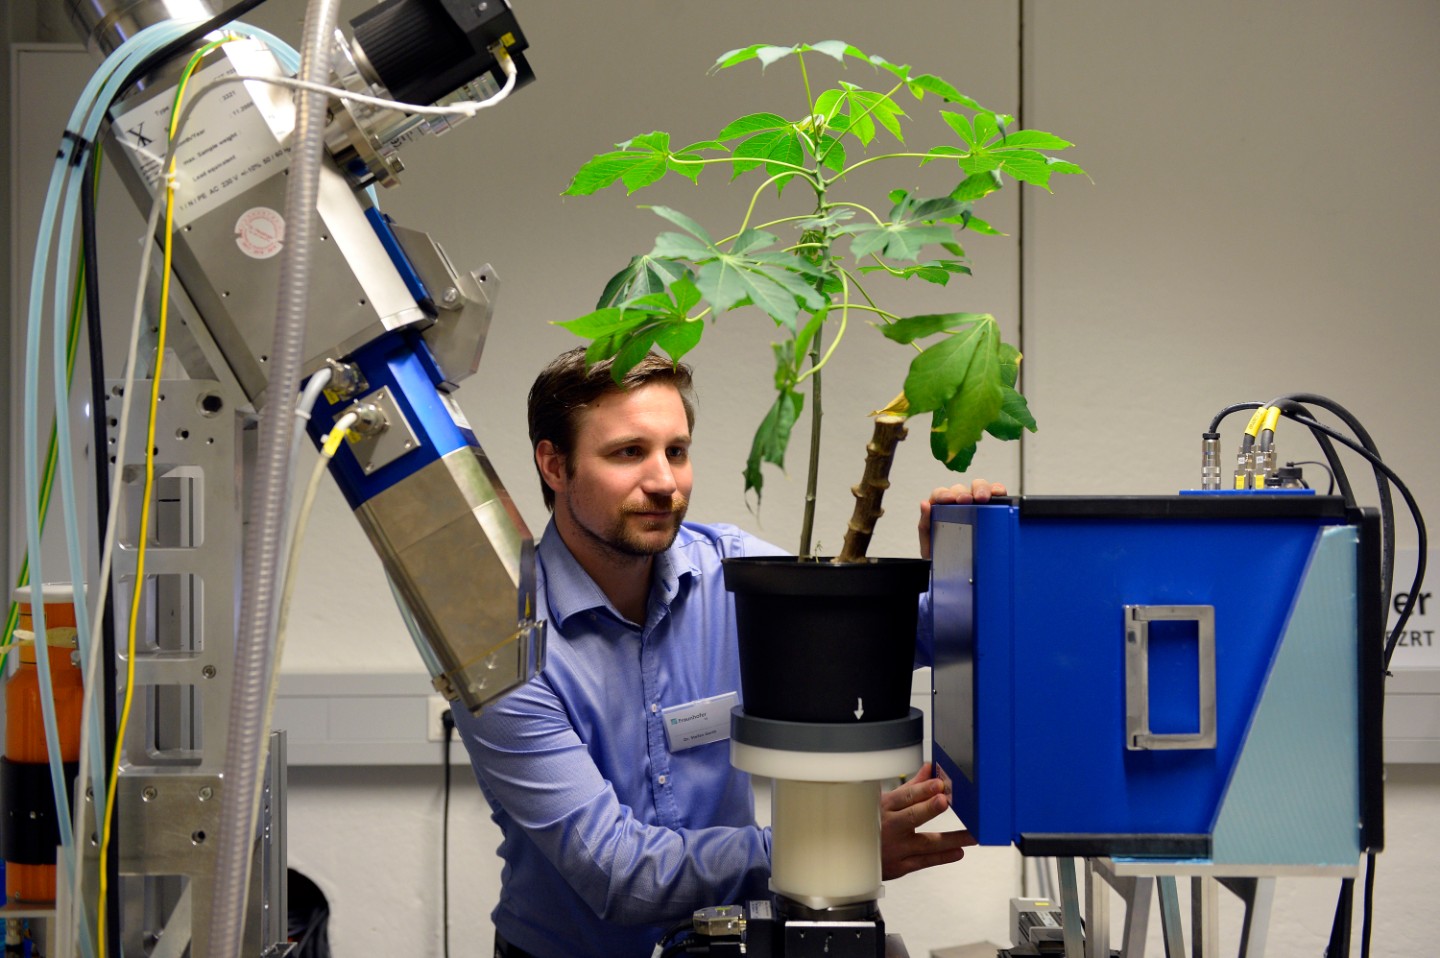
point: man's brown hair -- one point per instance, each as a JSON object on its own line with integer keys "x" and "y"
{"x": 567, "y": 386}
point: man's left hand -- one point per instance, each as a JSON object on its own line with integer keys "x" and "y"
{"x": 979, "y": 490}
{"x": 903, "y": 810}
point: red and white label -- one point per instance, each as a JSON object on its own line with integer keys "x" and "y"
{"x": 260, "y": 232}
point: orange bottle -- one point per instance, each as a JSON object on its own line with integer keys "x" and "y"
{"x": 29, "y": 829}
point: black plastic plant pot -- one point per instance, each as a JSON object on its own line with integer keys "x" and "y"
{"x": 826, "y": 643}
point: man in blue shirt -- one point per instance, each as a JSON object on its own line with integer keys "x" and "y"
{"x": 610, "y": 835}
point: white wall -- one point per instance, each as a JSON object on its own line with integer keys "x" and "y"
{"x": 1256, "y": 169}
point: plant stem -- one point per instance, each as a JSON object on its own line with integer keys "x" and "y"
{"x": 812, "y": 477}
{"x": 879, "y": 454}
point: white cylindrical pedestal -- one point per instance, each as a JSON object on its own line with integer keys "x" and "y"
{"x": 825, "y": 847}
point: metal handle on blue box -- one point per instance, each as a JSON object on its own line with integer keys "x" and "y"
{"x": 1138, "y": 736}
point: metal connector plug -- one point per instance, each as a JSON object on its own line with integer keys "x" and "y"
{"x": 346, "y": 381}
{"x": 1264, "y": 467}
{"x": 370, "y": 420}
{"x": 1210, "y": 461}
{"x": 719, "y": 921}
{"x": 1245, "y": 469}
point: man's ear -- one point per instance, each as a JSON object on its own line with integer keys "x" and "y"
{"x": 551, "y": 463}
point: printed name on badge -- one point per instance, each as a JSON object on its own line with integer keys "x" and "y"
{"x": 699, "y": 722}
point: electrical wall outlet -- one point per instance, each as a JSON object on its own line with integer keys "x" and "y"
{"x": 436, "y": 706}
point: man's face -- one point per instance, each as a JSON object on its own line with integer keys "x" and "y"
{"x": 626, "y": 484}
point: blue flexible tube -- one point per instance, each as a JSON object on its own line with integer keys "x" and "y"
{"x": 60, "y": 173}
{"x": 85, "y": 120}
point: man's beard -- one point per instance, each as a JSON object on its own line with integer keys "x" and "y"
{"x": 618, "y": 537}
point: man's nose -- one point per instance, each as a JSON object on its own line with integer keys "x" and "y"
{"x": 659, "y": 477}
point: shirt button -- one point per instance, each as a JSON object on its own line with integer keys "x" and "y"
{"x": 663, "y": 779}
{"x": 654, "y": 707}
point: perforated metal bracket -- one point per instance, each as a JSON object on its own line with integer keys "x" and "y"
{"x": 1138, "y": 736}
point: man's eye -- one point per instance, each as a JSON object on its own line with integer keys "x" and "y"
{"x": 679, "y": 453}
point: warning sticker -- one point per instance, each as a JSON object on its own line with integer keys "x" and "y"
{"x": 226, "y": 145}
{"x": 260, "y": 232}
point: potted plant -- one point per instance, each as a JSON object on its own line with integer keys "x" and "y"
{"x": 809, "y": 270}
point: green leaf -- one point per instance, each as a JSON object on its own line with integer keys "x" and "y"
{"x": 684, "y": 222}
{"x": 958, "y": 462}
{"x": 677, "y": 339}
{"x": 636, "y": 348}
{"x": 1027, "y": 166}
{"x": 1064, "y": 166}
{"x": 976, "y": 186}
{"x": 730, "y": 280}
{"x": 768, "y": 147}
{"x": 836, "y": 215}
{"x": 898, "y": 241}
{"x": 929, "y": 83}
{"x": 979, "y": 161}
{"x": 836, "y": 49}
{"x": 962, "y": 364}
{"x": 605, "y": 168}
{"x": 764, "y": 52}
{"x": 642, "y": 276}
{"x": 827, "y": 104}
{"x": 963, "y": 128}
{"x": 808, "y": 331}
{"x": 680, "y": 246}
{"x": 831, "y": 153}
{"x": 602, "y": 322}
{"x": 752, "y": 239}
{"x": 885, "y": 111}
{"x": 934, "y": 271}
{"x": 772, "y": 438}
{"x": 935, "y": 152}
{"x": 752, "y": 123}
{"x": 690, "y": 171}
{"x": 911, "y": 328}
{"x": 976, "y": 225}
{"x": 686, "y": 295}
{"x": 1036, "y": 140}
{"x": 1014, "y": 416}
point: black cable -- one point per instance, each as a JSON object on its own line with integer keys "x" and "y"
{"x": 447, "y": 721}
{"x": 1315, "y": 462}
{"x": 1411, "y": 504}
{"x": 1337, "y": 470}
{"x": 100, "y": 445}
{"x": 1387, "y": 504}
{"x": 1369, "y": 907}
{"x": 1233, "y": 408}
{"x": 1382, "y": 470}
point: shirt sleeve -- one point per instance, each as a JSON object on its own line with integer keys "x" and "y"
{"x": 530, "y": 760}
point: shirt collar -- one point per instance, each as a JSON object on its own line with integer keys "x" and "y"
{"x": 569, "y": 590}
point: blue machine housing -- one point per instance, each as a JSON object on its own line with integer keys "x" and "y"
{"x": 1032, "y": 720}
{"x": 401, "y": 361}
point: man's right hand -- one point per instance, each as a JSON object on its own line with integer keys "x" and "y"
{"x": 979, "y": 490}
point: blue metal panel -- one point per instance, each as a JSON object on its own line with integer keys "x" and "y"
{"x": 402, "y": 362}
{"x": 1073, "y": 582}
{"x": 1041, "y": 748}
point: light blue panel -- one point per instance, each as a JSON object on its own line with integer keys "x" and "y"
{"x": 1294, "y": 798}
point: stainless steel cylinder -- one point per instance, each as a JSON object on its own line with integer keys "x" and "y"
{"x": 105, "y": 24}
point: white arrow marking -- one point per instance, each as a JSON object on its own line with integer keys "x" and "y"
{"x": 859, "y": 708}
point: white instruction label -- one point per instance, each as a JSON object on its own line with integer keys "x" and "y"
{"x": 230, "y": 140}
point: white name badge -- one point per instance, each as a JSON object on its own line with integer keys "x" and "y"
{"x": 695, "y": 723}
